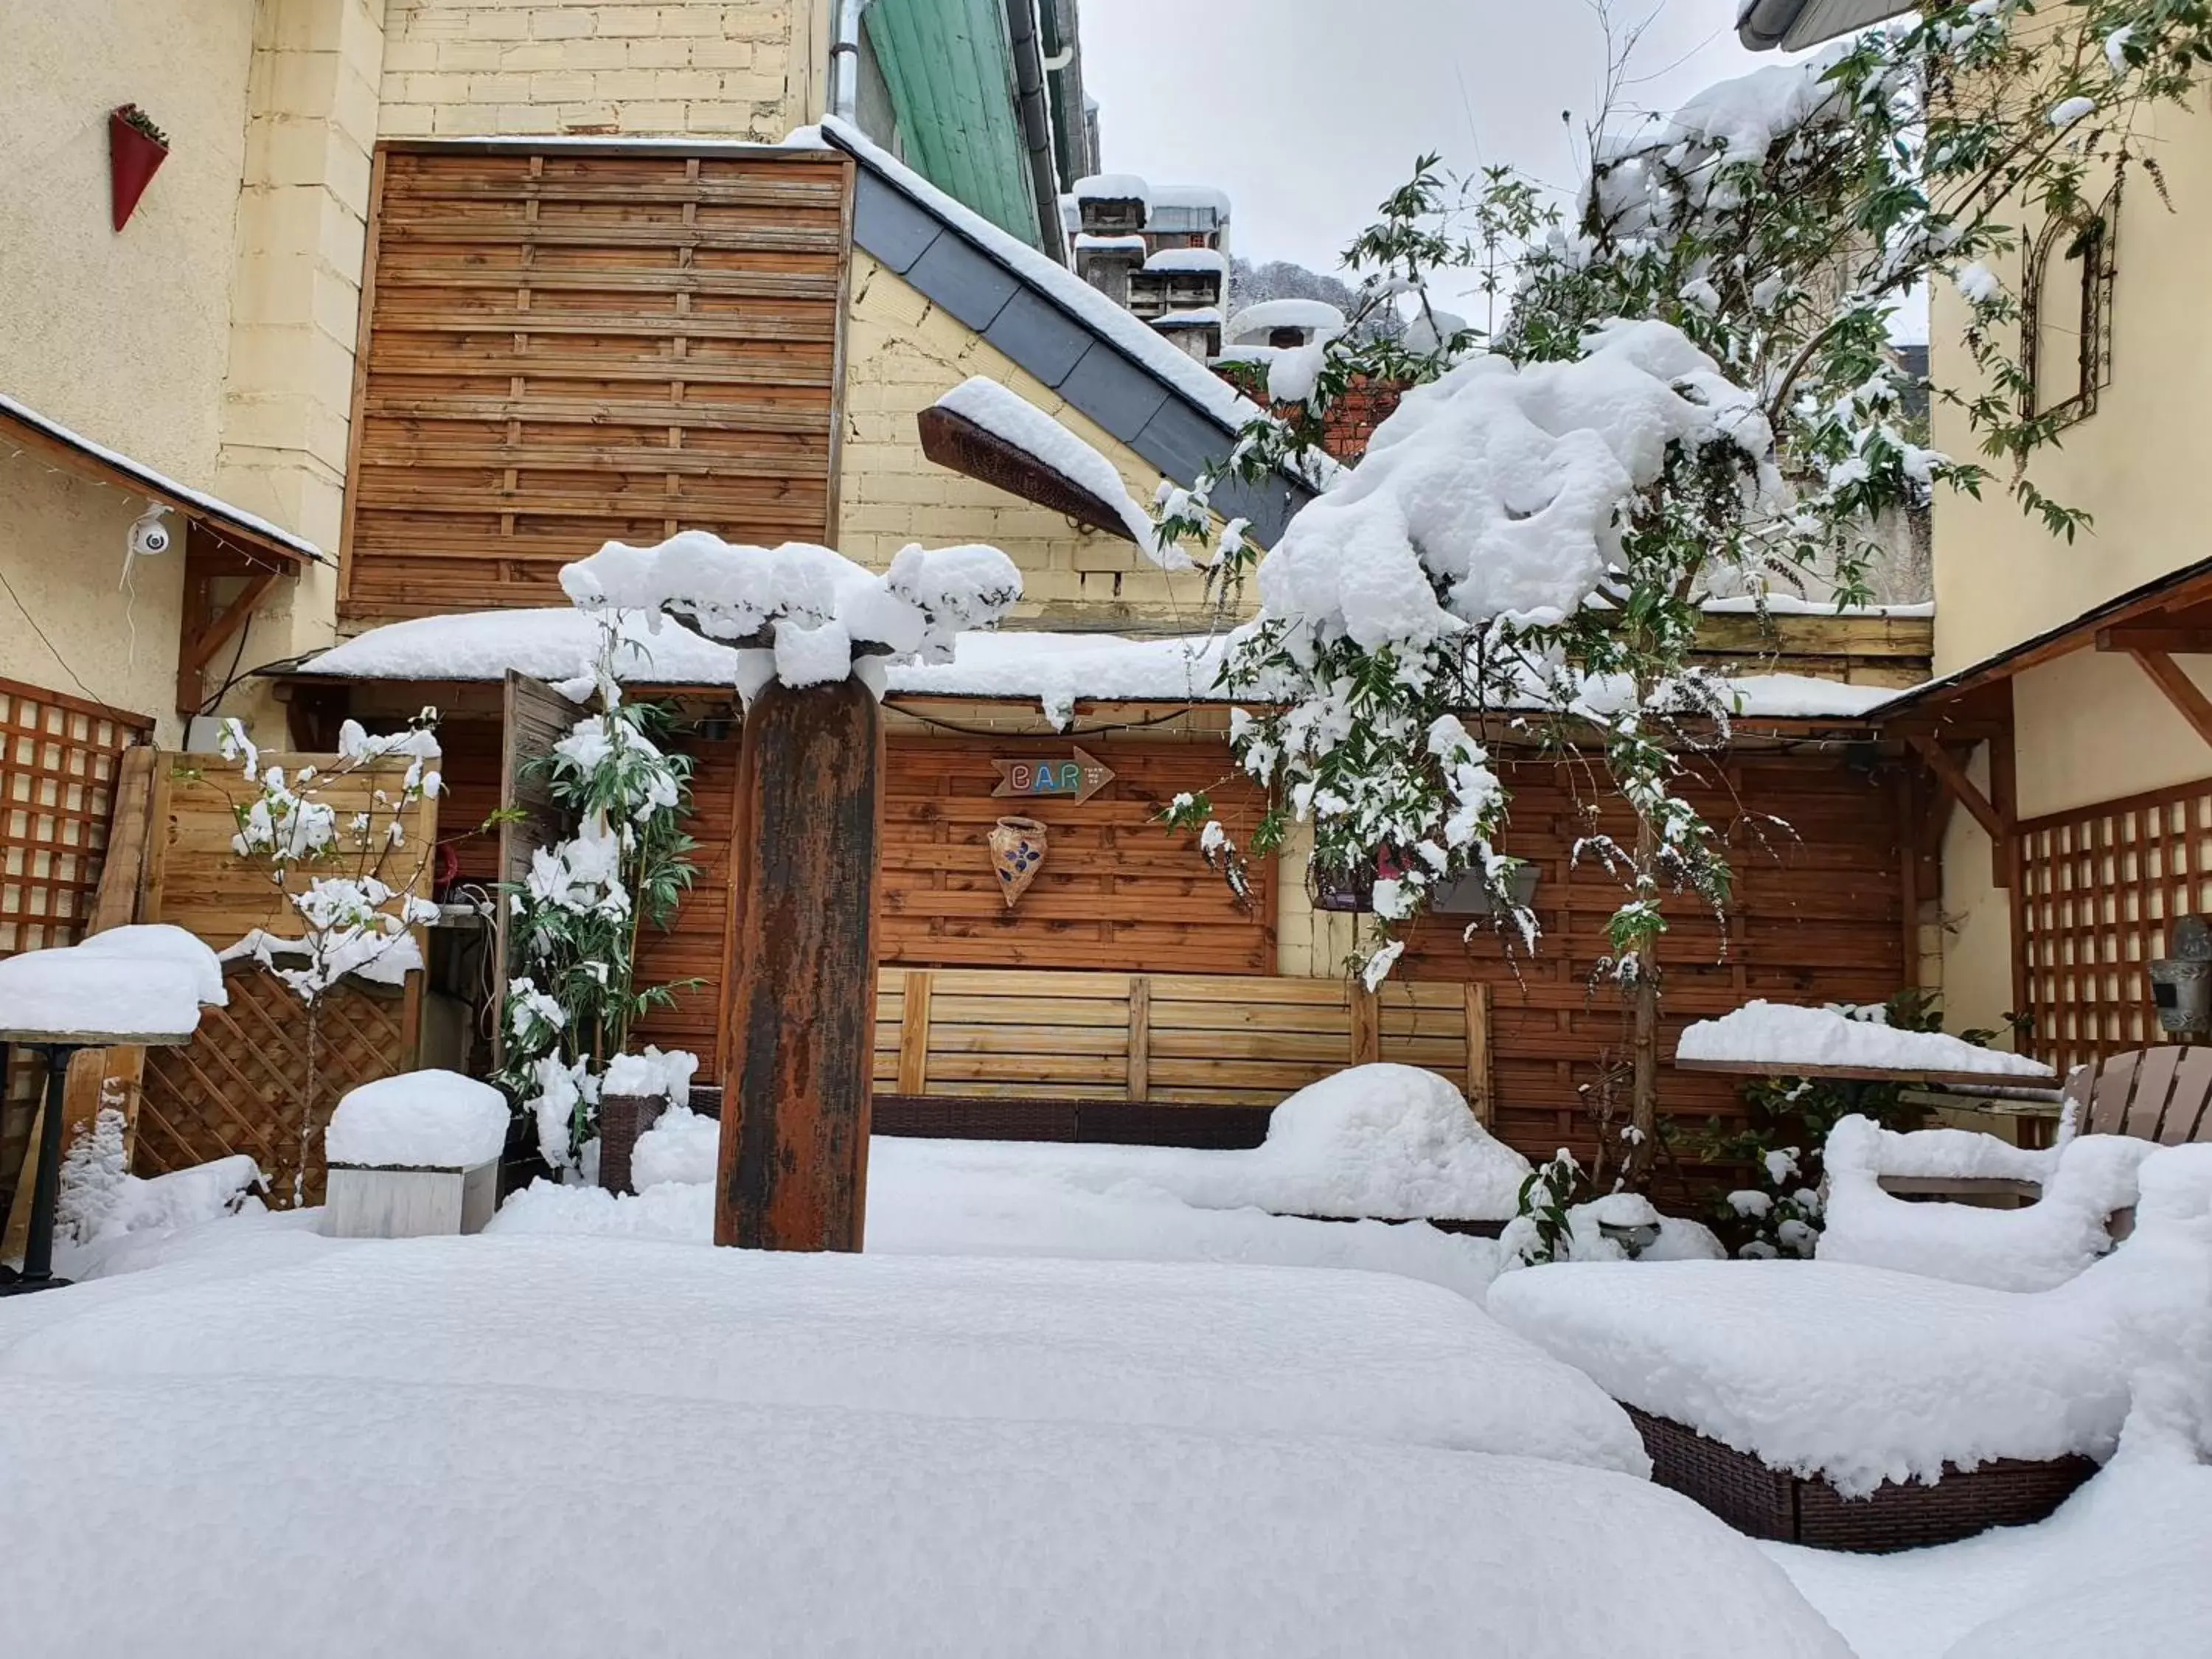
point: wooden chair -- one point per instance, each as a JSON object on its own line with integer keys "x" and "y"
{"x": 2163, "y": 1095}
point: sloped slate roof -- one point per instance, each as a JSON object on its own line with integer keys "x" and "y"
{"x": 1170, "y": 409}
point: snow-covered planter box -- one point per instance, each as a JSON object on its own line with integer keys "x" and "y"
{"x": 415, "y": 1156}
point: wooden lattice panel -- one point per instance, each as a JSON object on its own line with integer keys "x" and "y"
{"x": 2097, "y": 889}
{"x": 58, "y": 768}
{"x": 570, "y": 346}
{"x": 240, "y": 1085}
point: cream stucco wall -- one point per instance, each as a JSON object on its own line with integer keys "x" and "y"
{"x": 2142, "y": 464}
{"x": 750, "y": 69}
{"x": 121, "y": 335}
{"x": 65, "y": 624}
{"x": 902, "y": 354}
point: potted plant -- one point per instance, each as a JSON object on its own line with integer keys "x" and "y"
{"x": 136, "y": 150}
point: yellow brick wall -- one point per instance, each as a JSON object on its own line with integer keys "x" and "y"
{"x": 902, "y": 353}
{"x": 741, "y": 68}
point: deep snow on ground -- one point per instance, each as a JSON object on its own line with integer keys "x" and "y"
{"x": 1102, "y": 1471}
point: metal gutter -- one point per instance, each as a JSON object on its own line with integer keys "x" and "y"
{"x": 1036, "y": 126}
{"x": 1794, "y": 25}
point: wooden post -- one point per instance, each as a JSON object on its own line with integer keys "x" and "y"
{"x": 1480, "y": 1096}
{"x": 1140, "y": 1040}
{"x": 1366, "y": 1026}
{"x": 801, "y": 1038}
{"x": 913, "y": 1034}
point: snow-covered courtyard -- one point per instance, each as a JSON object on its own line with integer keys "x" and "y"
{"x": 1059, "y": 1407}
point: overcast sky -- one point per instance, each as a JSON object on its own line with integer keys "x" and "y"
{"x": 1308, "y": 112}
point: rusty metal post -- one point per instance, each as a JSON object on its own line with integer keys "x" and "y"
{"x": 793, "y": 1165}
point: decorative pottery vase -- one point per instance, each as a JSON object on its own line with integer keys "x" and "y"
{"x": 1016, "y": 849}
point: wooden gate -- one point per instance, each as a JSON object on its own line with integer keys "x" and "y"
{"x": 574, "y": 344}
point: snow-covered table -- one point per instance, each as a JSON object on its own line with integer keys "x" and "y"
{"x": 1775, "y": 1039}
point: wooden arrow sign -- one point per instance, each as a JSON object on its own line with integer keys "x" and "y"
{"x": 1081, "y": 777}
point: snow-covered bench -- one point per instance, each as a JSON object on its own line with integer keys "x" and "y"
{"x": 1864, "y": 1407}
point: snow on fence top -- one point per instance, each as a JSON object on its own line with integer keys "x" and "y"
{"x": 418, "y": 1121}
{"x": 1114, "y": 188}
{"x": 1010, "y": 416}
{"x": 551, "y": 644}
{"x": 141, "y": 983}
{"x": 1501, "y": 488}
{"x": 813, "y": 609}
{"x": 1316, "y": 315}
{"x": 1188, "y": 259}
{"x": 1780, "y": 1034}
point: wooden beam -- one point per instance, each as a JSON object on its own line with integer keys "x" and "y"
{"x": 1962, "y": 787}
{"x": 2151, "y": 636}
{"x": 913, "y": 1033}
{"x": 2180, "y": 691}
{"x": 1366, "y": 1026}
{"x": 1140, "y": 1040}
{"x": 206, "y": 629}
{"x": 1480, "y": 1096}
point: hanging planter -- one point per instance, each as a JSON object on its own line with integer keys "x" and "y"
{"x": 136, "y": 150}
{"x": 1017, "y": 846}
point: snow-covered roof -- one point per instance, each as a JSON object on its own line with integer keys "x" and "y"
{"x": 1316, "y": 316}
{"x": 1166, "y": 405}
{"x": 1010, "y": 416}
{"x": 1090, "y": 241}
{"x": 1191, "y": 198}
{"x": 219, "y": 515}
{"x": 1112, "y": 187}
{"x": 1196, "y": 317}
{"x": 1794, "y": 25}
{"x": 1056, "y": 670}
{"x": 1205, "y": 259}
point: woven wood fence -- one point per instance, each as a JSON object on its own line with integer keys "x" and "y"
{"x": 2097, "y": 888}
{"x": 57, "y": 770}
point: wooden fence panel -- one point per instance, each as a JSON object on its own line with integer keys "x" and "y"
{"x": 2098, "y": 890}
{"x": 1115, "y": 887}
{"x": 59, "y": 766}
{"x": 238, "y": 1086}
{"x": 567, "y": 346}
{"x": 1161, "y": 1040}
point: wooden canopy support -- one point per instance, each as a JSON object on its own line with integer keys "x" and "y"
{"x": 2148, "y": 636}
{"x": 209, "y": 624}
{"x": 1996, "y": 816}
{"x": 2180, "y": 691}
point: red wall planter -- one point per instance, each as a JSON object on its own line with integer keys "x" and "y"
{"x": 133, "y": 158}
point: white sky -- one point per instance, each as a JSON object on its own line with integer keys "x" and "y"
{"x": 1308, "y": 112}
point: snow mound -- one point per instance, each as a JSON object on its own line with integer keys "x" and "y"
{"x": 1392, "y": 1142}
{"x": 1112, "y": 187}
{"x": 1232, "y": 1351}
{"x": 1499, "y": 489}
{"x": 71, "y": 991}
{"x": 653, "y": 1074}
{"x": 418, "y": 1121}
{"x": 159, "y": 941}
{"x": 709, "y": 1528}
{"x": 2034, "y": 1247}
{"x": 1782, "y": 1035}
{"x": 1007, "y": 414}
{"x": 681, "y": 1148}
{"x": 813, "y": 608}
{"x": 1388, "y": 1143}
{"x": 1866, "y": 1375}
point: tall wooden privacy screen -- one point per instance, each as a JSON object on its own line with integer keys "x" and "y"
{"x": 57, "y": 770}
{"x": 2098, "y": 890}
{"x": 572, "y": 345}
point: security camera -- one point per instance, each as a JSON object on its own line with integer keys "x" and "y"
{"x": 150, "y": 536}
